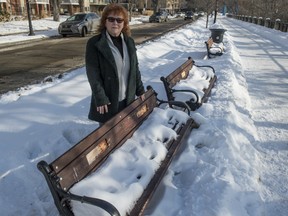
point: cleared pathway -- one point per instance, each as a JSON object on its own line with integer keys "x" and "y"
{"x": 265, "y": 60}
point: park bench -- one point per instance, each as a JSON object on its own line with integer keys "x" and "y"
{"x": 182, "y": 73}
{"x": 88, "y": 155}
{"x": 214, "y": 49}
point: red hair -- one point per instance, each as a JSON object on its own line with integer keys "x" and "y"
{"x": 116, "y": 9}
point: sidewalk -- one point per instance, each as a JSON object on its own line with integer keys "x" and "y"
{"x": 264, "y": 56}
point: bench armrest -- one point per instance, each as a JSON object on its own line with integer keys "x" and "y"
{"x": 108, "y": 207}
{"x": 61, "y": 197}
{"x": 187, "y": 90}
{"x": 212, "y": 68}
{"x": 176, "y": 103}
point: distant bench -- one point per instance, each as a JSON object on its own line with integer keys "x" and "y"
{"x": 88, "y": 155}
{"x": 181, "y": 73}
{"x": 214, "y": 49}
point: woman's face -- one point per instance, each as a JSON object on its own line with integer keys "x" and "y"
{"x": 114, "y": 24}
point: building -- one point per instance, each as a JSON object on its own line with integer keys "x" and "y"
{"x": 42, "y": 8}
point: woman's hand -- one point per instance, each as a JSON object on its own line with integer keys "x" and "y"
{"x": 102, "y": 109}
{"x": 142, "y": 97}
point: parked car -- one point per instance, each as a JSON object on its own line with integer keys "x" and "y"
{"x": 180, "y": 14}
{"x": 189, "y": 15}
{"x": 201, "y": 13}
{"x": 79, "y": 24}
{"x": 159, "y": 17}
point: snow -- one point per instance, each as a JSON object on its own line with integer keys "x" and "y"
{"x": 216, "y": 25}
{"x": 234, "y": 164}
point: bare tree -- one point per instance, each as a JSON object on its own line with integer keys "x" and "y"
{"x": 264, "y": 8}
{"x": 56, "y": 10}
{"x": 208, "y": 6}
{"x": 155, "y": 5}
{"x": 261, "y": 8}
{"x": 81, "y": 5}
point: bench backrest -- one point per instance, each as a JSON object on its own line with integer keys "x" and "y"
{"x": 209, "y": 43}
{"x": 180, "y": 73}
{"x": 89, "y": 153}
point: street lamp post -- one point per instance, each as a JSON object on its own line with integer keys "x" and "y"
{"x": 216, "y": 11}
{"x": 31, "y": 32}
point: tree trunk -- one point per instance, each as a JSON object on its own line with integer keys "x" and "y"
{"x": 81, "y": 4}
{"x": 56, "y": 12}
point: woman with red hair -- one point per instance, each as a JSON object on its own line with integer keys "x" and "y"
{"x": 112, "y": 65}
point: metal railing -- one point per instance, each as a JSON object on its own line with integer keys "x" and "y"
{"x": 267, "y": 22}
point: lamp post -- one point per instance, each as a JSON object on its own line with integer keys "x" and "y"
{"x": 31, "y": 32}
{"x": 216, "y": 11}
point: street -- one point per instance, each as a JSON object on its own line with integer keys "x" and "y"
{"x": 28, "y": 63}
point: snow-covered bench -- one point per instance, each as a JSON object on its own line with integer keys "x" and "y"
{"x": 182, "y": 73}
{"x": 84, "y": 158}
{"x": 214, "y": 49}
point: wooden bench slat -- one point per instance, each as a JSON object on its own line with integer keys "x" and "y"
{"x": 89, "y": 159}
{"x": 207, "y": 91}
{"x": 172, "y": 148}
{"x": 66, "y": 158}
{"x": 180, "y": 73}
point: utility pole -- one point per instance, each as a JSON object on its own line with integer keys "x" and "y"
{"x": 31, "y": 32}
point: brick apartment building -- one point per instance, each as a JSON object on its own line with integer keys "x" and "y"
{"x": 42, "y": 8}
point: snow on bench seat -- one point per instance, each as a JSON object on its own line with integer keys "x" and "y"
{"x": 125, "y": 174}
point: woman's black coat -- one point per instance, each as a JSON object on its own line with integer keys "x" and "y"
{"x": 102, "y": 75}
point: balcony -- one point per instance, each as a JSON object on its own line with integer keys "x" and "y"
{"x": 98, "y": 2}
{"x": 69, "y": 2}
{"x": 38, "y": 1}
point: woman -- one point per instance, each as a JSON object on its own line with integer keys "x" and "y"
{"x": 112, "y": 65}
